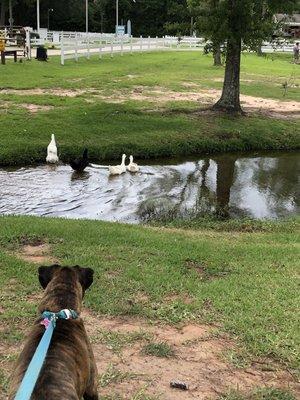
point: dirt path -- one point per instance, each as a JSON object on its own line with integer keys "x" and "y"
{"x": 269, "y": 107}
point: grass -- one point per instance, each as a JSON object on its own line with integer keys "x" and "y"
{"x": 256, "y": 299}
{"x": 220, "y": 224}
{"x": 145, "y": 128}
{"x": 114, "y": 375}
{"x": 116, "y": 341}
{"x": 161, "y": 349}
{"x": 261, "y": 394}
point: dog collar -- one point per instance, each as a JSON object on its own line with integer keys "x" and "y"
{"x": 50, "y": 317}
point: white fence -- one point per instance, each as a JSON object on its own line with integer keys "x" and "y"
{"x": 55, "y": 38}
{"x": 85, "y": 46}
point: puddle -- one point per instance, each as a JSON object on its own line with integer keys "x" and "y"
{"x": 235, "y": 185}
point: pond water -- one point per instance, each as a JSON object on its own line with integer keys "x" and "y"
{"x": 264, "y": 186}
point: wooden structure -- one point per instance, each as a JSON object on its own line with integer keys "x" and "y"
{"x": 9, "y": 53}
{"x": 13, "y": 42}
{"x": 289, "y": 25}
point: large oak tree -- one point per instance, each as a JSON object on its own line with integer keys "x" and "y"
{"x": 239, "y": 23}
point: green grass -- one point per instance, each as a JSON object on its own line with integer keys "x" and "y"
{"x": 116, "y": 341}
{"x": 114, "y": 375}
{"x": 252, "y": 290}
{"x": 145, "y": 128}
{"x": 161, "y": 349}
{"x": 261, "y": 394}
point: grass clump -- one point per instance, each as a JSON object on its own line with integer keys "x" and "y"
{"x": 161, "y": 349}
{"x": 116, "y": 341}
{"x": 260, "y": 394}
{"x": 114, "y": 375}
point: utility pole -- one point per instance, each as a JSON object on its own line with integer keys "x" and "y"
{"x": 87, "y": 16}
{"x": 117, "y": 16}
{"x": 38, "y": 15}
{"x": 48, "y": 19}
{"x": 11, "y": 21}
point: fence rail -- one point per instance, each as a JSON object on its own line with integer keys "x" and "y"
{"x": 85, "y": 46}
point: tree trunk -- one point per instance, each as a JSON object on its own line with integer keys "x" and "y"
{"x": 2, "y": 13}
{"x": 230, "y": 99}
{"x": 217, "y": 55}
{"x": 259, "y": 50}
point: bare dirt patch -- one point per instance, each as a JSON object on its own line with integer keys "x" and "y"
{"x": 55, "y": 92}
{"x": 271, "y": 107}
{"x": 34, "y": 108}
{"x": 199, "y": 361}
{"x": 36, "y": 253}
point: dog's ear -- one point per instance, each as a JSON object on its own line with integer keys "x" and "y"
{"x": 46, "y": 274}
{"x": 85, "y": 276}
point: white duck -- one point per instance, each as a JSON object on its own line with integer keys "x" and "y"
{"x": 132, "y": 167}
{"x": 118, "y": 169}
{"x": 52, "y": 157}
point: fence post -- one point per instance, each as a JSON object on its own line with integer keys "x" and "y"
{"x": 100, "y": 48}
{"x": 130, "y": 44}
{"x": 28, "y": 44}
{"x": 76, "y": 47}
{"x": 111, "y": 48}
{"x": 156, "y": 41}
{"x": 88, "y": 47}
{"x": 62, "y": 55}
{"x": 141, "y": 43}
{"x": 122, "y": 40}
{"x": 149, "y": 42}
{"x": 164, "y": 42}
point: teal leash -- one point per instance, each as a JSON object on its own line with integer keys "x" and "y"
{"x": 33, "y": 371}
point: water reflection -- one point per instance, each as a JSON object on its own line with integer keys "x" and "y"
{"x": 259, "y": 187}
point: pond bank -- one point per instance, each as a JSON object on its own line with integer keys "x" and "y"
{"x": 145, "y": 134}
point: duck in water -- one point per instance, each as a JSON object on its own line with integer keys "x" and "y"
{"x": 52, "y": 157}
{"x": 80, "y": 163}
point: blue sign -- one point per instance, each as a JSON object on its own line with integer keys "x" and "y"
{"x": 120, "y": 30}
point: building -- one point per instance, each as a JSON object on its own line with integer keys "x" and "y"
{"x": 289, "y": 25}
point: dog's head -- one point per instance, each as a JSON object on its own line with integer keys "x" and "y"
{"x": 65, "y": 286}
{"x": 83, "y": 275}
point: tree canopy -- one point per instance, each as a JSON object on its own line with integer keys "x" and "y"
{"x": 151, "y": 17}
{"x": 237, "y": 23}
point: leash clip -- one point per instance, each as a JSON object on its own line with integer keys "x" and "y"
{"x": 67, "y": 313}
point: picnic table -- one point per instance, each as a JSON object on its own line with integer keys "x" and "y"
{"x": 5, "y": 53}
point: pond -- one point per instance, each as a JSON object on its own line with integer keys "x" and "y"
{"x": 256, "y": 186}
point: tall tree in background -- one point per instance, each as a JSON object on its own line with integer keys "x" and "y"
{"x": 209, "y": 15}
{"x": 3, "y": 12}
{"x": 151, "y": 17}
{"x": 240, "y": 22}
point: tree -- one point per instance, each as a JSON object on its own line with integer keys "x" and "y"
{"x": 151, "y": 17}
{"x": 240, "y": 23}
{"x": 2, "y": 12}
{"x": 208, "y": 14}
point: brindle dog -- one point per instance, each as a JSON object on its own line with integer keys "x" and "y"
{"x": 69, "y": 371}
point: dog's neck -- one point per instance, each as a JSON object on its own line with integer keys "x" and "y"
{"x": 62, "y": 295}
